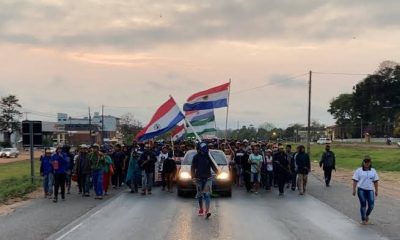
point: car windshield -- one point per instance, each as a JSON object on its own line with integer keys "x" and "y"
{"x": 7, "y": 149}
{"x": 218, "y": 156}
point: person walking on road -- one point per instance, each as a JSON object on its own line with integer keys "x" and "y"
{"x": 108, "y": 170}
{"x": 303, "y": 166}
{"x": 70, "y": 166}
{"x": 118, "y": 157}
{"x": 281, "y": 169}
{"x": 201, "y": 175}
{"x": 241, "y": 157}
{"x": 46, "y": 171}
{"x": 60, "y": 166}
{"x": 169, "y": 171}
{"x": 255, "y": 160}
{"x": 83, "y": 170}
{"x": 97, "y": 163}
{"x": 134, "y": 174}
{"x": 147, "y": 164}
{"x": 164, "y": 154}
{"x": 327, "y": 163}
{"x": 267, "y": 170}
{"x": 292, "y": 164}
{"x": 365, "y": 179}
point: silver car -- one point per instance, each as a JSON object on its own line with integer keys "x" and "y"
{"x": 221, "y": 183}
{"x": 9, "y": 152}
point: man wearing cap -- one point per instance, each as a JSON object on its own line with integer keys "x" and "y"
{"x": 201, "y": 174}
{"x": 83, "y": 170}
{"x": 97, "y": 163}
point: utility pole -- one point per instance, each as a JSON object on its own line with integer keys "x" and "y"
{"x": 309, "y": 116}
{"x": 102, "y": 124}
{"x": 90, "y": 128}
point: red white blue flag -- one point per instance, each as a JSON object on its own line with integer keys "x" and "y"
{"x": 166, "y": 117}
{"x": 178, "y": 133}
{"x": 215, "y": 97}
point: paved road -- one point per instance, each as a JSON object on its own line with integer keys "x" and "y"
{"x": 39, "y": 218}
{"x": 245, "y": 216}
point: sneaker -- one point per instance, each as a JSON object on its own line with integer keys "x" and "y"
{"x": 281, "y": 194}
{"x": 143, "y": 193}
{"x": 55, "y": 200}
{"x": 208, "y": 215}
{"x": 201, "y": 212}
{"x": 149, "y": 193}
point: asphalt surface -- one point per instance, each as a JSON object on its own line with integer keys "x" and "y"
{"x": 39, "y": 218}
{"x": 244, "y": 216}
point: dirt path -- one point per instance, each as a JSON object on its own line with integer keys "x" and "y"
{"x": 24, "y": 156}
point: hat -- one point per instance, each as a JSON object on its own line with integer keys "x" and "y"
{"x": 269, "y": 150}
{"x": 84, "y": 146}
{"x": 96, "y": 145}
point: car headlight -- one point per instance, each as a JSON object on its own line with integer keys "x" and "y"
{"x": 223, "y": 176}
{"x": 185, "y": 176}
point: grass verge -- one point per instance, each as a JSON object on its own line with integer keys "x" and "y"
{"x": 15, "y": 180}
{"x": 350, "y": 157}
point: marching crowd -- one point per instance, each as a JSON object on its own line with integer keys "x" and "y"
{"x": 252, "y": 165}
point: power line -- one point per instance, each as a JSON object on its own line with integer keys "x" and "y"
{"x": 269, "y": 84}
{"x": 341, "y": 73}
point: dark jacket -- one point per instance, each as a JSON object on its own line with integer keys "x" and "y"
{"x": 118, "y": 159}
{"x": 281, "y": 163}
{"x": 147, "y": 161}
{"x": 303, "y": 163}
{"x": 45, "y": 165}
{"x": 169, "y": 166}
{"x": 201, "y": 166}
{"x": 328, "y": 160}
{"x": 241, "y": 157}
{"x": 82, "y": 164}
{"x": 59, "y": 163}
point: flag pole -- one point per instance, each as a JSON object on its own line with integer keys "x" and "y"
{"x": 172, "y": 146}
{"x": 227, "y": 113}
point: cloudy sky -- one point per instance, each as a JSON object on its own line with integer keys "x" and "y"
{"x": 63, "y": 56}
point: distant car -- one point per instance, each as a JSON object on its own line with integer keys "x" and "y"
{"x": 324, "y": 141}
{"x": 9, "y": 152}
{"x": 220, "y": 184}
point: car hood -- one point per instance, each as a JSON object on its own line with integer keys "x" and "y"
{"x": 222, "y": 168}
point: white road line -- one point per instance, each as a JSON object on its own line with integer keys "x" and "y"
{"x": 77, "y": 226}
{"x": 70, "y": 231}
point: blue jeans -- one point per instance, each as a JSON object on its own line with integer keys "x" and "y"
{"x": 48, "y": 182}
{"x": 203, "y": 187}
{"x": 98, "y": 182}
{"x": 147, "y": 181}
{"x": 365, "y": 196}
